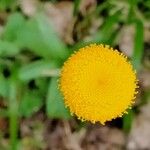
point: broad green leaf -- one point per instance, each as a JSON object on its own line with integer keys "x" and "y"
{"x": 30, "y": 103}
{"x": 54, "y": 104}
{"x": 37, "y": 69}
{"x": 39, "y": 37}
{"x": 15, "y": 23}
{"x": 30, "y": 37}
{"x": 36, "y": 34}
{"x": 51, "y": 40}
{"x": 138, "y": 44}
{"x": 8, "y": 48}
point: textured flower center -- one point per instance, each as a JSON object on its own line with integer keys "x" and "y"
{"x": 98, "y": 83}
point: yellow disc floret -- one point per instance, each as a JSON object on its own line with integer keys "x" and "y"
{"x": 98, "y": 83}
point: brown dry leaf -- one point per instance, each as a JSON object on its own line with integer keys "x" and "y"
{"x": 87, "y": 5}
{"x": 146, "y": 57}
{"x": 139, "y": 137}
{"x": 32, "y": 131}
{"x": 126, "y": 40}
{"x": 54, "y": 135}
{"x": 4, "y": 144}
{"x": 73, "y": 140}
{"x": 144, "y": 77}
{"x": 147, "y": 34}
{"x": 3, "y": 17}
{"x": 3, "y": 121}
{"x": 104, "y": 138}
{"x": 61, "y": 17}
{"x": 3, "y": 125}
{"x": 60, "y": 137}
{"x": 84, "y": 29}
{"x": 29, "y": 7}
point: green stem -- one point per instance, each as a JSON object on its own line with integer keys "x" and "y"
{"x": 13, "y": 116}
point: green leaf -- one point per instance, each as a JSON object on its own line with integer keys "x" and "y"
{"x": 4, "y": 86}
{"x": 138, "y": 44}
{"x": 7, "y": 3}
{"x": 30, "y": 37}
{"x": 127, "y": 121}
{"x": 8, "y": 48}
{"x": 132, "y": 2}
{"x": 30, "y": 103}
{"x": 76, "y": 7}
{"x": 55, "y": 105}
{"x": 39, "y": 37}
{"x": 14, "y": 25}
{"x": 105, "y": 32}
{"x": 132, "y": 10}
{"x": 36, "y": 34}
{"x": 54, "y": 44}
{"x": 42, "y": 84}
{"x": 37, "y": 69}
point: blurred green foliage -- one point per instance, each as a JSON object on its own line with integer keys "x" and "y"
{"x": 31, "y": 56}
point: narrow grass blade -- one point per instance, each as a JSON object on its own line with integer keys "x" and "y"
{"x": 127, "y": 121}
{"x": 76, "y": 7}
{"x": 138, "y": 44}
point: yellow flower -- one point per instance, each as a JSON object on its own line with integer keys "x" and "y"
{"x": 98, "y": 83}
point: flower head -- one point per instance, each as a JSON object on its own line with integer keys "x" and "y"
{"x": 98, "y": 83}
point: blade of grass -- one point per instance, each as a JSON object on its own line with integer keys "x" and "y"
{"x": 138, "y": 44}
{"x": 101, "y": 7}
{"x": 127, "y": 121}
{"x": 76, "y": 7}
{"x": 104, "y": 35}
{"x": 136, "y": 61}
{"x": 131, "y": 13}
{"x": 108, "y": 27}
